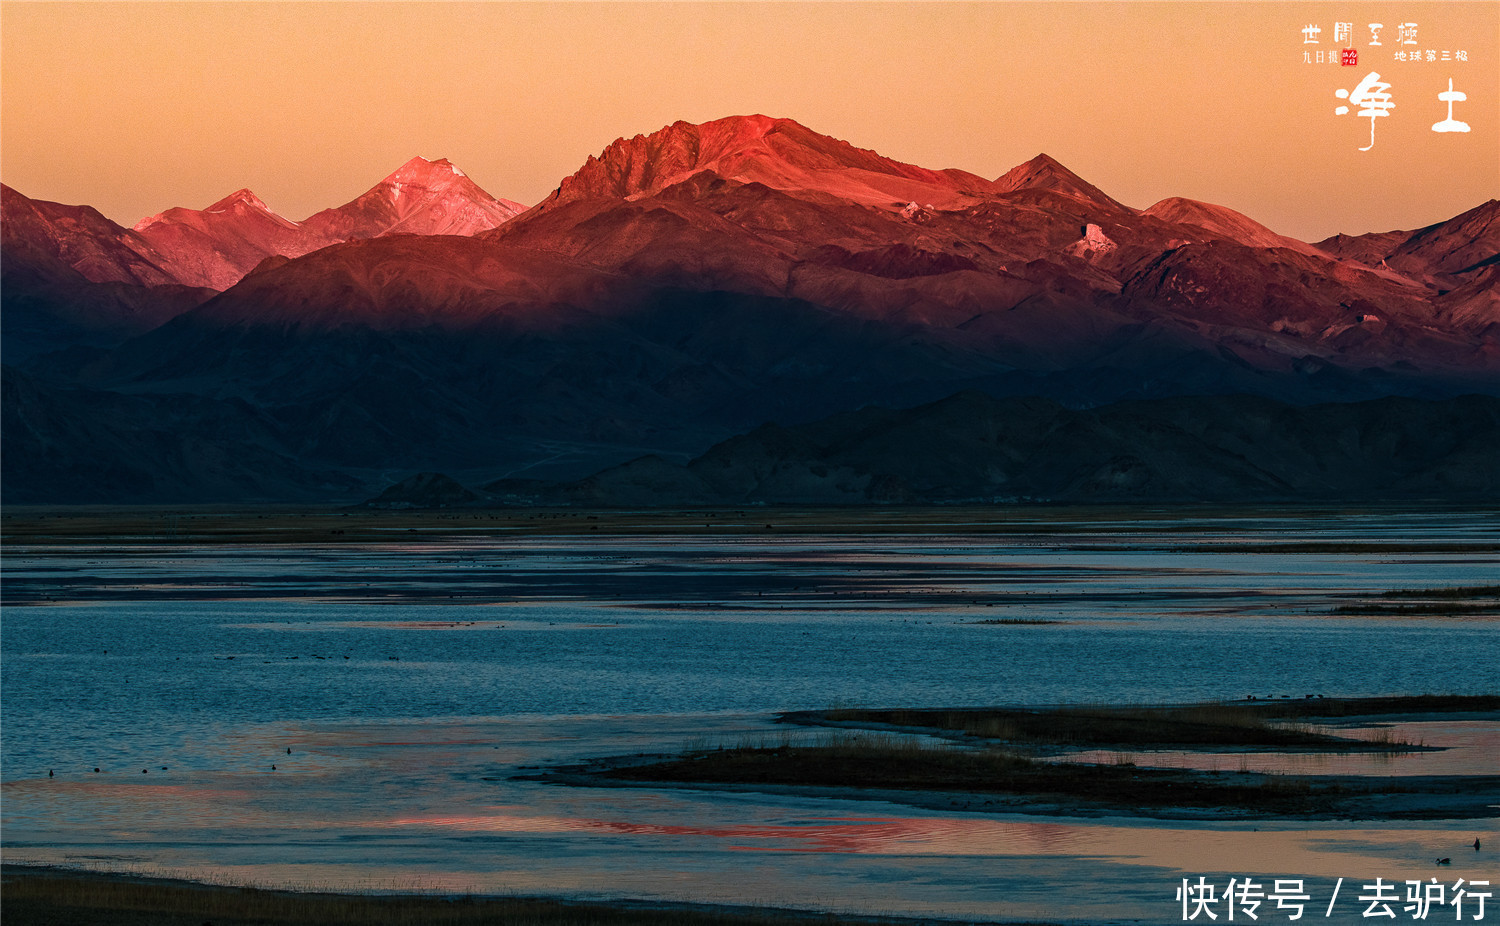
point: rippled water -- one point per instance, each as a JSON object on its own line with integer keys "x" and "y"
{"x": 413, "y": 680}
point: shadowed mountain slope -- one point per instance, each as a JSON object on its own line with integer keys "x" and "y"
{"x": 973, "y": 448}
{"x": 71, "y": 277}
{"x": 74, "y": 278}
{"x": 80, "y": 446}
{"x": 77, "y": 237}
{"x": 691, "y": 284}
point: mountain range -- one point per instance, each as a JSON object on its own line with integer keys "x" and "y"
{"x": 65, "y": 260}
{"x": 680, "y": 288}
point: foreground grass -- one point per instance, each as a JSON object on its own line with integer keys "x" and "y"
{"x": 1447, "y": 600}
{"x": 1447, "y": 591}
{"x": 1434, "y": 609}
{"x": 51, "y": 897}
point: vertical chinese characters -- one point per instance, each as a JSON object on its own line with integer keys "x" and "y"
{"x": 1373, "y": 97}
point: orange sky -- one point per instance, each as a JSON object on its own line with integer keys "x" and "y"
{"x": 136, "y": 107}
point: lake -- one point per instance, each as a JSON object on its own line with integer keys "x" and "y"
{"x": 412, "y": 680}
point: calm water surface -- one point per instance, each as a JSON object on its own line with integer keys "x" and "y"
{"x": 412, "y": 681}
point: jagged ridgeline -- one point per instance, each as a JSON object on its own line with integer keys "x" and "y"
{"x": 705, "y": 281}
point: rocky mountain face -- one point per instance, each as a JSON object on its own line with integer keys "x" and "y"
{"x": 693, "y": 284}
{"x": 79, "y": 238}
{"x": 1463, "y": 244}
{"x": 778, "y": 153}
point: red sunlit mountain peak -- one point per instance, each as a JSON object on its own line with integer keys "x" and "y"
{"x": 215, "y": 247}
{"x": 424, "y": 173}
{"x": 1047, "y": 174}
{"x": 1042, "y": 170}
{"x": 242, "y": 204}
{"x": 241, "y": 200}
{"x": 779, "y": 153}
{"x": 420, "y": 197}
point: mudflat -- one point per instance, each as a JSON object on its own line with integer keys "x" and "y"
{"x": 1016, "y": 761}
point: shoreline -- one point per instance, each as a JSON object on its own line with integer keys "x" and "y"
{"x": 45, "y": 895}
{"x": 284, "y": 524}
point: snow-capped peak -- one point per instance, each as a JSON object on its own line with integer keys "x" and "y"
{"x": 419, "y": 171}
{"x": 240, "y": 201}
{"x": 242, "y": 197}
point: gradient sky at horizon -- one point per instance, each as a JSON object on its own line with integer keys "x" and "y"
{"x": 137, "y": 107}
